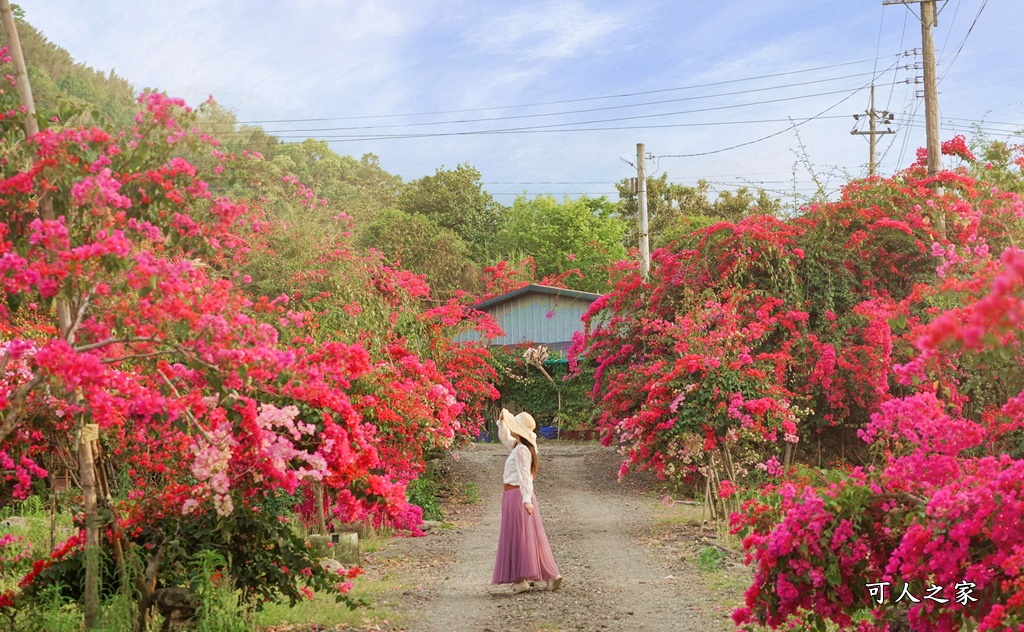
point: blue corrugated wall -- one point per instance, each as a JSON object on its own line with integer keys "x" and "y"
{"x": 525, "y": 319}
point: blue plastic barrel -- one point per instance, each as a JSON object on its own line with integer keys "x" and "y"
{"x": 549, "y": 432}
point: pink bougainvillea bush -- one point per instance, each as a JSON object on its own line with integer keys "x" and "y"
{"x": 940, "y": 514}
{"x": 888, "y": 319}
{"x": 127, "y": 306}
{"x": 764, "y": 333}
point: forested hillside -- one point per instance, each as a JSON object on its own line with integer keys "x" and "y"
{"x": 445, "y": 226}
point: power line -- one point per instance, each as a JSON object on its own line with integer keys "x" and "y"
{"x": 563, "y": 126}
{"x": 782, "y": 131}
{"x": 962, "y": 128}
{"x": 878, "y": 45}
{"x": 562, "y": 113}
{"x": 717, "y": 175}
{"x": 559, "y": 102}
{"x": 534, "y": 130}
{"x": 952, "y": 21}
{"x": 963, "y": 41}
{"x": 903, "y": 34}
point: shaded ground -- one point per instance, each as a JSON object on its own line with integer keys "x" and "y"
{"x": 624, "y": 562}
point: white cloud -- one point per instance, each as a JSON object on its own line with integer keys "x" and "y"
{"x": 547, "y": 31}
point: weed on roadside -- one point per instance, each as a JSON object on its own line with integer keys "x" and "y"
{"x": 709, "y": 559}
{"x": 471, "y": 493}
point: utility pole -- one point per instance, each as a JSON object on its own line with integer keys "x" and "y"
{"x": 931, "y": 95}
{"x": 929, "y": 18}
{"x": 20, "y": 70}
{"x": 873, "y": 132}
{"x": 87, "y": 472}
{"x": 641, "y": 181}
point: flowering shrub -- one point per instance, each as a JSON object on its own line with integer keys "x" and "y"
{"x": 770, "y": 332}
{"x": 940, "y": 510}
{"x": 855, "y": 317}
{"x": 125, "y": 306}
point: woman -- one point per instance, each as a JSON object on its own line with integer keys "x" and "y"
{"x": 523, "y": 551}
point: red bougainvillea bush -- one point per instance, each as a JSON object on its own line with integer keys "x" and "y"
{"x": 893, "y": 315}
{"x": 128, "y": 311}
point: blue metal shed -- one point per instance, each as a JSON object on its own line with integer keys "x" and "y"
{"x": 537, "y": 314}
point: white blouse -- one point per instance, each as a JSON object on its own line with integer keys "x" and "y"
{"x": 517, "y": 465}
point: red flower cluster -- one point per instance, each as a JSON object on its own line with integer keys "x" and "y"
{"x": 213, "y": 402}
{"x": 856, "y": 316}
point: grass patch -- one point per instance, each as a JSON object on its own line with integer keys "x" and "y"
{"x": 382, "y": 595}
{"x": 471, "y": 493}
{"x": 709, "y": 559}
{"x": 423, "y": 492}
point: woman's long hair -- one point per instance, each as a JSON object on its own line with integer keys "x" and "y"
{"x": 533, "y": 456}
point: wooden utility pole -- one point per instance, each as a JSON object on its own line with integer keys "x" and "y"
{"x": 873, "y": 133}
{"x": 929, "y": 18}
{"x": 87, "y": 432}
{"x": 31, "y": 127}
{"x": 20, "y": 70}
{"x": 931, "y": 95}
{"x": 641, "y": 182}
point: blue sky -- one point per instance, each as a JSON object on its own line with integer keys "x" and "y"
{"x": 426, "y": 84}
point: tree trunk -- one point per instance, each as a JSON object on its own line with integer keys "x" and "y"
{"x": 87, "y": 473}
{"x": 104, "y": 490}
{"x": 729, "y": 505}
{"x": 53, "y": 515}
{"x": 318, "y": 498}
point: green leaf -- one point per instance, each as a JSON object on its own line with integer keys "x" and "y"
{"x": 832, "y": 575}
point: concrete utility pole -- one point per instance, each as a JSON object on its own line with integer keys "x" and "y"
{"x": 873, "y": 132}
{"x": 641, "y": 181}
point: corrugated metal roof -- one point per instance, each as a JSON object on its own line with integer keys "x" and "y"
{"x": 539, "y": 289}
{"x": 536, "y": 314}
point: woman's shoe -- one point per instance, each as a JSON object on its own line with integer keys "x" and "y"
{"x": 555, "y": 584}
{"x": 520, "y": 587}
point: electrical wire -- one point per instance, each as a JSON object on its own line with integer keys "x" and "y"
{"x": 562, "y": 113}
{"x": 559, "y": 102}
{"x": 952, "y": 21}
{"x": 529, "y": 130}
{"x": 903, "y": 34}
{"x": 878, "y": 45}
{"x": 778, "y": 133}
{"x": 959, "y": 48}
{"x": 562, "y": 127}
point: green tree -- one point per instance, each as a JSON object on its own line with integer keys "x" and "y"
{"x": 417, "y": 244}
{"x": 672, "y": 207}
{"x": 70, "y": 91}
{"x": 583, "y": 234}
{"x": 999, "y": 162}
{"x": 455, "y": 199}
{"x": 361, "y": 187}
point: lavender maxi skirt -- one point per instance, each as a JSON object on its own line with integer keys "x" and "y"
{"x": 523, "y": 550}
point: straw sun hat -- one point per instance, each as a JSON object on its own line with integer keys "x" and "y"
{"x": 521, "y": 424}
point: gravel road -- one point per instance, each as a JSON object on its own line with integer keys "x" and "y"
{"x": 613, "y": 580}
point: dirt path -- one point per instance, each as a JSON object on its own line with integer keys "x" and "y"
{"x": 612, "y": 580}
